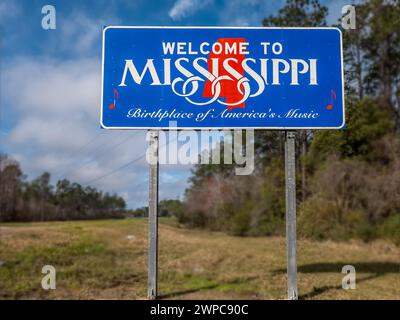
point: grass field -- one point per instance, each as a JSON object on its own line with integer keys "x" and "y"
{"x": 108, "y": 259}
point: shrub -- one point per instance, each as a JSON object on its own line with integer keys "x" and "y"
{"x": 319, "y": 219}
{"x": 240, "y": 222}
{"x": 390, "y": 229}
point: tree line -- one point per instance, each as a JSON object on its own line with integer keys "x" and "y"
{"x": 39, "y": 200}
{"x": 348, "y": 180}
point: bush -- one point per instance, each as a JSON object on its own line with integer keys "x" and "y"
{"x": 240, "y": 221}
{"x": 367, "y": 122}
{"x": 322, "y": 219}
{"x": 390, "y": 229}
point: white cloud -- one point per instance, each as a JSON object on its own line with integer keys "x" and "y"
{"x": 81, "y": 35}
{"x": 54, "y": 108}
{"x": 52, "y": 87}
{"x": 56, "y": 105}
{"x": 48, "y": 132}
{"x": 184, "y": 8}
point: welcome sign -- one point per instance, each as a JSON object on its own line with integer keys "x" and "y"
{"x": 200, "y": 77}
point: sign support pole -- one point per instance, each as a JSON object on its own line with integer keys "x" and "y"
{"x": 290, "y": 175}
{"x": 153, "y": 215}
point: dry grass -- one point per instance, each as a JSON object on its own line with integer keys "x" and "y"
{"x": 97, "y": 260}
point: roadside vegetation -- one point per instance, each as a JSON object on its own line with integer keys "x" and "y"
{"x": 107, "y": 259}
{"x": 349, "y": 179}
{"x": 39, "y": 200}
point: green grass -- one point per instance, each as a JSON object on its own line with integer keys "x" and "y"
{"x": 97, "y": 260}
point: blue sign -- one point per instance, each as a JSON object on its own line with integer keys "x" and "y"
{"x": 201, "y": 77}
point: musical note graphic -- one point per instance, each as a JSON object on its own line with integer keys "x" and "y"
{"x": 116, "y": 97}
{"x": 333, "y": 98}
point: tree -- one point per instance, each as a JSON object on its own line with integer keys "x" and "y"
{"x": 10, "y": 187}
{"x": 372, "y": 53}
{"x": 42, "y": 192}
{"x": 366, "y": 124}
{"x": 39, "y": 200}
{"x": 352, "y": 174}
{"x": 299, "y": 13}
{"x": 170, "y": 208}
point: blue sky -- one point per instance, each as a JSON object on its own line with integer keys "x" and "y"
{"x": 50, "y": 86}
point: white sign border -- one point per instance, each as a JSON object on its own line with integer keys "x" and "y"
{"x": 219, "y": 128}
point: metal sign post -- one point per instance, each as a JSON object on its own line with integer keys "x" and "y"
{"x": 153, "y": 215}
{"x": 290, "y": 174}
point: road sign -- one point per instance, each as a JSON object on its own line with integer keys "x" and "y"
{"x": 264, "y": 78}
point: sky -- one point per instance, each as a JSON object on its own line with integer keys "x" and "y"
{"x": 50, "y": 87}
